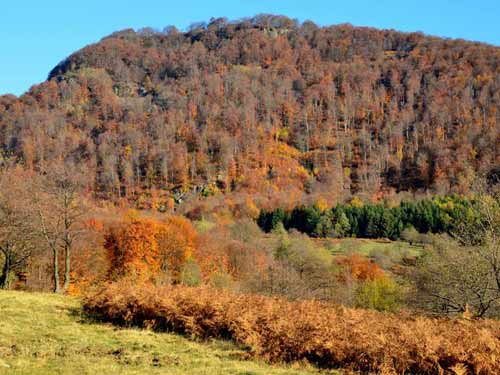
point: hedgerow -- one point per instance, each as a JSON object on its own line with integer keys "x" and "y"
{"x": 332, "y": 337}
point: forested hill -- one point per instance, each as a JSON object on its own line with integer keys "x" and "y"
{"x": 264, "y": 106}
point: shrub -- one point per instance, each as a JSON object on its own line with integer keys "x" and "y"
{"x": 279, "y": 330}
{"x": 359, "y": 268}
{"x": 221, "y": 280}
{"x": 380, "y": 294}
{"x": 203, "y": 226}
{"x": 190, "y": 273}
{"x": 410, "y": 235}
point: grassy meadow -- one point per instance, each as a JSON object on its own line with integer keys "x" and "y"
{"x": 370, "y": 247}
{"x": 44, "y": 334}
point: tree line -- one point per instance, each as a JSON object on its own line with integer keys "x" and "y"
{"x": 372, "y": 220}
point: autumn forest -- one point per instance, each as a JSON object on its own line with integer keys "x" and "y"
{"x": 267, "y": 181}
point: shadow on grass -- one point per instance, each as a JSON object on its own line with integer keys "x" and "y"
{"x": 82, "y": 317}
{"x": 231, "y": 349}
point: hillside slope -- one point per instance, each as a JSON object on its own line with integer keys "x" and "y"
{"x": 267, "y": 107}
{"x": 44, "y": 334}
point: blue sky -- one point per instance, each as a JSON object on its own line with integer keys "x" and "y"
{"x": 35, "y": 35}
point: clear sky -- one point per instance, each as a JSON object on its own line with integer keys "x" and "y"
{"x": 36, "y": 34}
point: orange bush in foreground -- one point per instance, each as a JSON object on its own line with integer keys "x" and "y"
{"x": 279, "y": 330}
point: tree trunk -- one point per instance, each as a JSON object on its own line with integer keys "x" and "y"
{"x": 67, "y": 268}
{"x": 4, "y": 277}
{"x": 57, "y": 288}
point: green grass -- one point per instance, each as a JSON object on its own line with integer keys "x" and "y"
{"x": 368, "y": 247}
{"x": 45, "y": 334}
{"x": 385, "y": 253}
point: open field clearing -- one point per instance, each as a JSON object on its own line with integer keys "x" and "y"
{"x": 45, "y": 334}
{"x": 369, "y": 247}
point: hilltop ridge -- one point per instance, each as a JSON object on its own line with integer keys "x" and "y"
{"x": 285, "y": 112}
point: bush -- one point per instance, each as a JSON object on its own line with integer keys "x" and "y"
{"x": 221, "y": 280}
{"x": 190, "y": 273}
{"x": 278, "y": 330}
{"x": 410, "y": 235}
{"x": 381, "y": 294}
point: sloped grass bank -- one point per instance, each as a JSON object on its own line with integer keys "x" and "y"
{"x": 45, "y": 334}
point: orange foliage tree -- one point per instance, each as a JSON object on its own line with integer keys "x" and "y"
{"x": 176, "y": 239}
{"x": 89, "y": 262}
{"x": 144, "y": 248}
{"x": 359, "y": 268}
{"x": 133, "y": 249}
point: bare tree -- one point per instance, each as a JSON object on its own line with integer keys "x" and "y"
{"x": 464, "y": 275}
{"x": 17, "y": 237}
{"x": 60, "y": 213}
{"x": 454, "y": 279}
